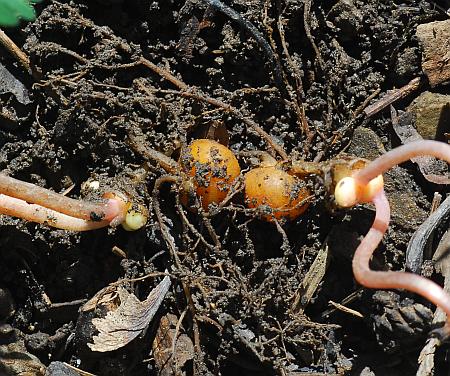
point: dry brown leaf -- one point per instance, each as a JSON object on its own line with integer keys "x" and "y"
{"x": 312, "y": 280}
{"x": 168, "y": 363}
{"x": 121, "y": 326}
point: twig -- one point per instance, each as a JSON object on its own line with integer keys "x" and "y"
{"x": 393, "y": 96}
{"x": 191, "y": 226}
{"x": 345, "y": 309}
{"x": 174, "y": 339}
{"x": 21, "y": 57}
{"x": 364, "y": 104}
{"x": 299, "y": 108}
{"x": 173, "y": 251}
{"x": 306, "y": 14}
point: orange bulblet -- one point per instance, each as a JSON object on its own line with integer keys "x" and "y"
{"x": 212, "y": 168}
{"x": 284, "y": 194}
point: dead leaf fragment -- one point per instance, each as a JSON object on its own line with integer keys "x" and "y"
{"x": 169, "y": 363}
{"x": 121, "y": 326}
{"x": 312, "y": 280}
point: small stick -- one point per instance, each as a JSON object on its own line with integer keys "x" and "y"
{"x": 21, "y": 57}
{"x": 393, "y": 96}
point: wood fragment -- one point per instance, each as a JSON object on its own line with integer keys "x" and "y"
{"x": 434, "y": 39}
{"x": 393, "y": 96}
{"x": 21, "y": 57}
{"x": 345, "y": 309}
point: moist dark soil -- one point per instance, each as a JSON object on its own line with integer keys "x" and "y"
{"x": 111, "y": 79}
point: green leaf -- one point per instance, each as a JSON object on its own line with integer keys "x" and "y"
{"x": 11, "y": 11}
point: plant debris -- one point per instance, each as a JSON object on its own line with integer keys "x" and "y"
{"x": 120, "y": 326}
{"x": 172, "y": 348}
{"x": 115, "y": 83}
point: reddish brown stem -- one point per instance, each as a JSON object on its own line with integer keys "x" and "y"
{"x": 35, "y": 213}
{"x": 43, "y": 197}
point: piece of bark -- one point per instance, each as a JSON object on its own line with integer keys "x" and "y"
{"x": 434, "y": 39}
{"x": 312, "y": 279}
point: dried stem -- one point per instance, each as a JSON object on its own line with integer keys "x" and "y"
{"x": 21, "y": 57}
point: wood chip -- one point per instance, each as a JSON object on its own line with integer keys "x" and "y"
{"x": 312, "y": 280}
{"x": 434, "y": 39}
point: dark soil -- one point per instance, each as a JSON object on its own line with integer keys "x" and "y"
{"x": 94, "y": 104}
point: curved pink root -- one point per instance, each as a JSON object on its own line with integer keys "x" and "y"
{"x": 402, "y": 154}
{"x": 392, "y": 280}
{"x": 15, "y": 207}
{"x": 44, "y": 197}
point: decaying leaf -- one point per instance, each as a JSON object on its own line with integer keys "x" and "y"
{"x": 105, "y": 296}
{"x": 312, "y": 279}
{"x": 121, "y": 326}
{"x": 171, "y": 353}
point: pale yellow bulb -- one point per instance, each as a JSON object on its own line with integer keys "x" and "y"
{"x": 135, "y": 218}
{"x": 346, "y": 192}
